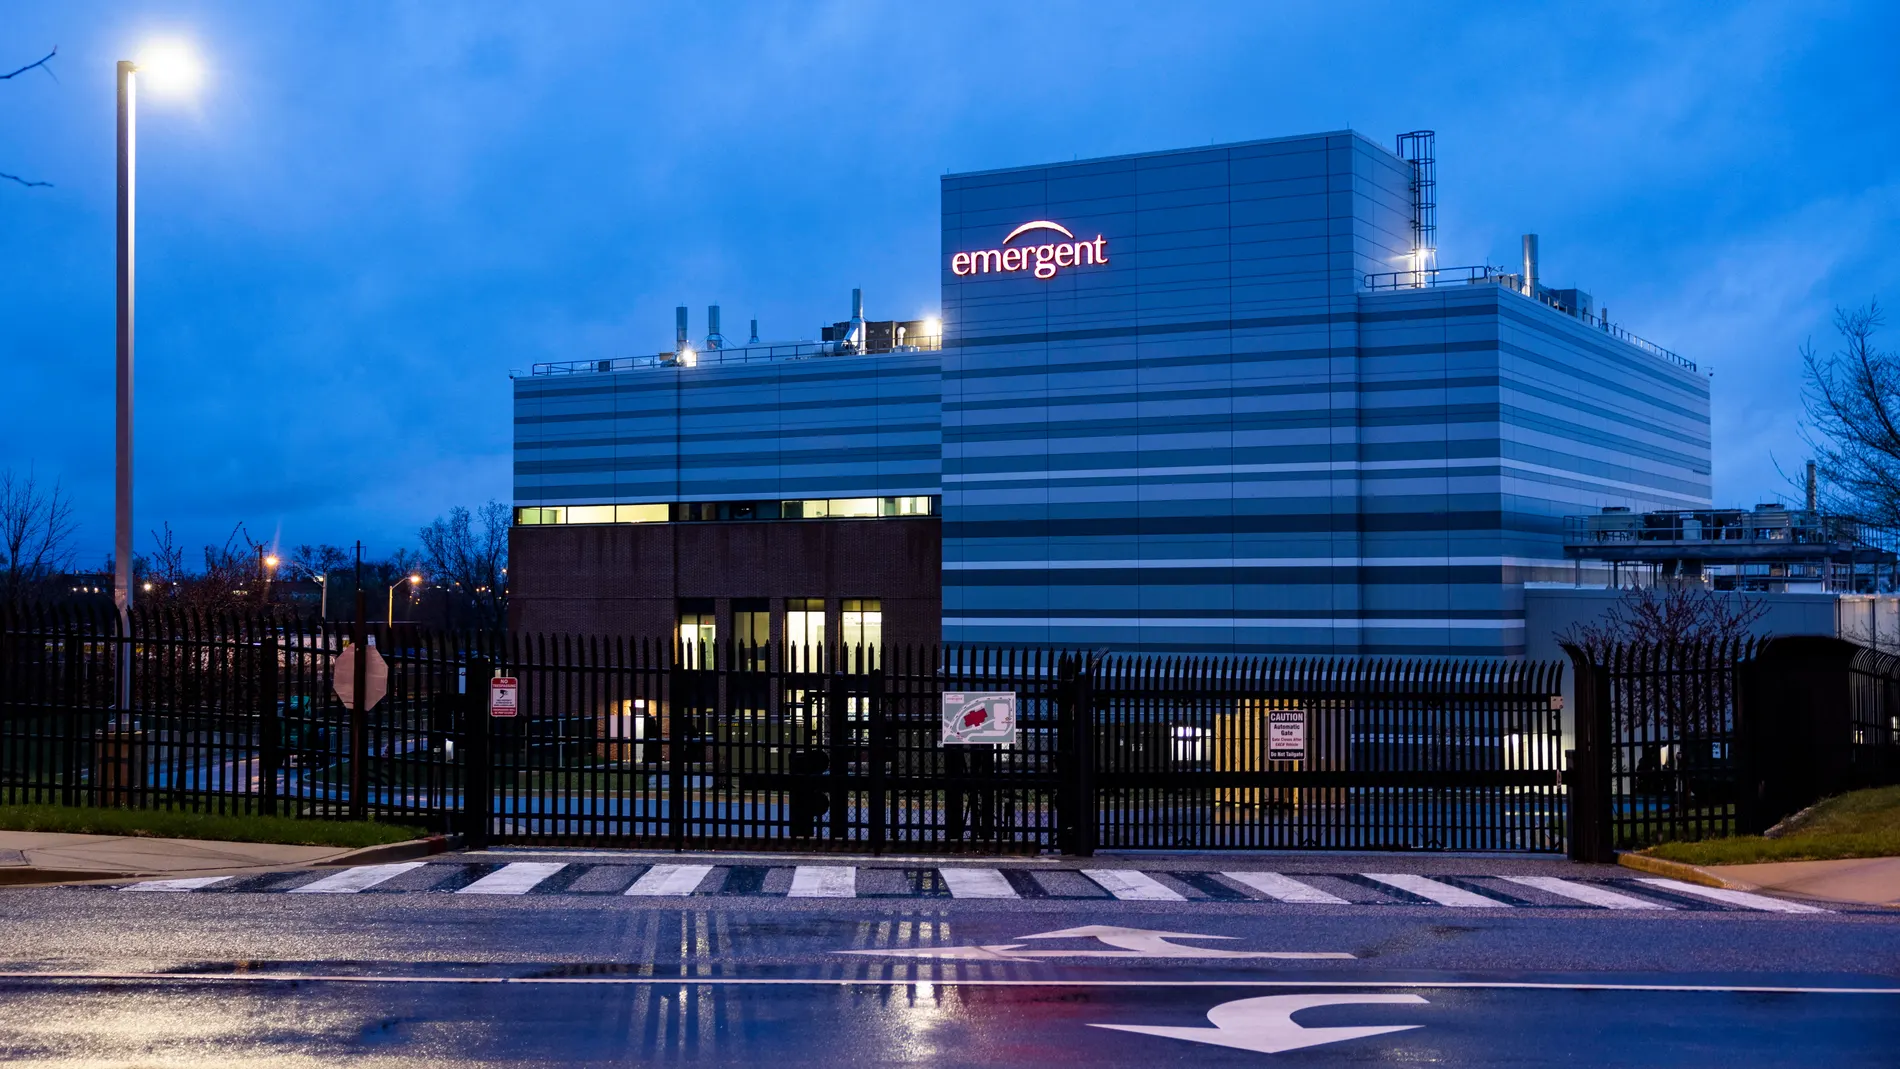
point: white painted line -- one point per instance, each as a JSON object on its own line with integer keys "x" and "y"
{"x": 191, "y": 883}
{"x": 1131, "y": 886}
{"x": 1586, "y": 893}
{"x": 1274, "y": 885}
{"x": 517, "y": 878}
{"x": 1734, "y": 898}
{"x": 754, "y": 981}
{"x": 824, "y": 881}
{"x": 350, "y": 881}
{"x": 669, "y": 880}
{"x": 977, "y": 883}
{"x": 1442, "y": 893}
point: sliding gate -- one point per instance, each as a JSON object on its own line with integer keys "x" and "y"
{"x": 1328, "y": 755}
{"x": 776, "y": 747}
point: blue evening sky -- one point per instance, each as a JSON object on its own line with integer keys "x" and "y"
{"x": 370, "y": 213}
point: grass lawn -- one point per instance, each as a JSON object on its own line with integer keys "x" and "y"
{"x": 165, "y": 824}
{"x": 1857, "y": 824}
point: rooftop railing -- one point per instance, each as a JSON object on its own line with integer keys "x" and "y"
{"x": 733, "y": 354}
{"x": 1497, "y": 276}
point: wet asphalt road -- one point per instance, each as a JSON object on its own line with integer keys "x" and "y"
{"x": 417, "y": 974}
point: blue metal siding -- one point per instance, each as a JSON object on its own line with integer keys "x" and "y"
{"x": 824, "y": 427}
{"x": 1216, "y": 442}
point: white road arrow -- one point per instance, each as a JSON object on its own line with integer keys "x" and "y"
{"x": 1128, "y": 943}
{"x": 1266, "y": 1024}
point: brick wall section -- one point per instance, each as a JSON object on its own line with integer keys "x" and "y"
{"x": 627, "y": 579}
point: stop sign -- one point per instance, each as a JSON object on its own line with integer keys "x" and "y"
{"x": 343, "y": 676}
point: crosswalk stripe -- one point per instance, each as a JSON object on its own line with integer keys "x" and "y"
{"x": 824, "y": 881}
{"x": 1274, "y": 885}
{"x": 1132, "y": 886}
{"x": 977, "y": 883}
{"x": 1586, "y": 893}
{"x": 1734, "y": 898}
{"x": 669, "y": 880}
{"x": 190, "y": 883}
{"x": 1442, "y": 893}
{"x": 350, "y": 881}
{"x": 517, "y": 878}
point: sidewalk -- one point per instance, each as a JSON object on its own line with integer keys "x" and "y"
{"x": 1872, "y": 881}
{"x": 28, "y": 857}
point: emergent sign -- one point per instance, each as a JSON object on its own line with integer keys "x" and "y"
{"x": 1042, "y": 261}
{"x": 979, "y": 717}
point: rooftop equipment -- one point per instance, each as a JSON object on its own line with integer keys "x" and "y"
{"x": 1418, "y": 148}
{"x": 1530, "y": 266}
{"x": 714, "y": 339}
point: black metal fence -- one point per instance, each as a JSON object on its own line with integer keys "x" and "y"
{"x": 623, "y": 742}
{"x": 1691, "y": 741}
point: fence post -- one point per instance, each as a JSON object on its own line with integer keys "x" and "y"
{"x": 1588, "y": 778}
{"x": 478, "y": 793}
{"x": 1083, "y": 698}
{"x": 879, "y": 751}
{"x": 75, "y": 694}
{"x": 269, "y": 753}
{"x": 838, "y": 734}
{"x": 673, "y": 729}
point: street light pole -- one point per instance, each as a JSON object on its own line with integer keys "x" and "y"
{"x": 412, "y": 580}
{"x": 122, "y": 487}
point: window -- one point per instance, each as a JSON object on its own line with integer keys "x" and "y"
{"x": 537, "y": 516}
{"x": 852, "y": 507}
{"x": 862, "y": 627}
{"x": 590, "y": 514}
{"x": 698, "y": 632}
{"x": 640, "y": 513}
{"x": 805, "y": 630}
{"x": 752, "y": 630}
{"x": 906, "y": 506}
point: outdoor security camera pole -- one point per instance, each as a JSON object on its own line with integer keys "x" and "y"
{"x": 122, "y": 489}
{"x": 359, "y": 723}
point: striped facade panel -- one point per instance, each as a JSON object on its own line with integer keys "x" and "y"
{"x": 1216, "y": 441}
{"x": 823, "y": 427}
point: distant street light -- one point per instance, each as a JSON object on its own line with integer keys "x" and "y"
{"x": 168, "y": 64}
{"x": 414, "y": 580}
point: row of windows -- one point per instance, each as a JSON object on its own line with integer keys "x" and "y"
{"x": 860, "y": 624}
{"x": 705, "y": 511}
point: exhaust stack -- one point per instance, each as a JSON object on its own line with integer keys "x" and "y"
{"x": 679, "y": 328}
{"x": 1530, "y": 265}
{"x": 714, "y": 339}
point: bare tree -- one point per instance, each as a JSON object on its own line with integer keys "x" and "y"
{"x": 1674, "y": 613}
{"x": 1853, "y": 400}
{"x": 42, "y": 65}
{"x": 466, "y": 555}
{"x": 36, "y": 533}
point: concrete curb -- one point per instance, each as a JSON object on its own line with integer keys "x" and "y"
{"x": 1676, "y": 870}
{"x": 28, "y": 876}
{"x": 404, "y": 851}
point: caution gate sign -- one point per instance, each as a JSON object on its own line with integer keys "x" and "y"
{"x": 1286, "y": 734}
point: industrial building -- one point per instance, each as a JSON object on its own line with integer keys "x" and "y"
{"x": 1212, "y": 400}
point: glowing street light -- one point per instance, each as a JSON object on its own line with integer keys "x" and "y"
{"x": 413, "y": 580}
{"x": 171, "y": 66}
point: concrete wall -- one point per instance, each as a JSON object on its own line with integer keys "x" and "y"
{"x": 1549, "y": 611}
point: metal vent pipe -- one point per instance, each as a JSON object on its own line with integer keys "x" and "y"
{"x": 755, "y": 333}
{"x": 714, "y": 339}
{"x": 679, "y": 328}
{"x": 1530, "y": 265}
